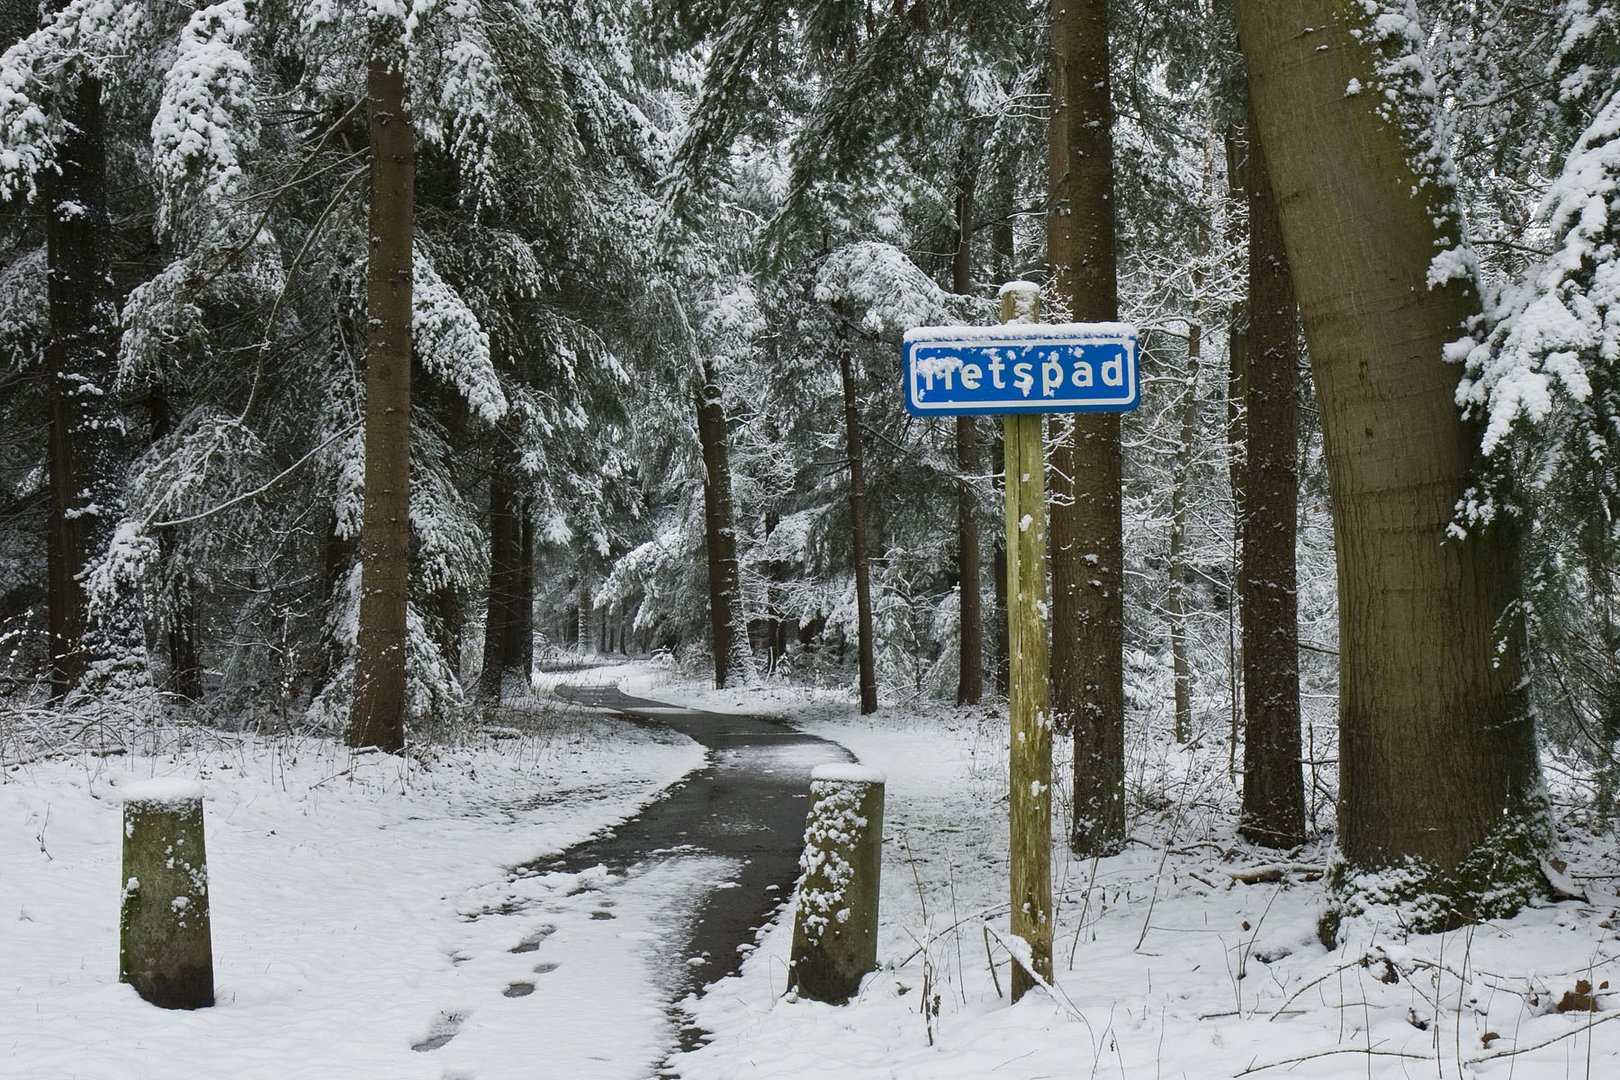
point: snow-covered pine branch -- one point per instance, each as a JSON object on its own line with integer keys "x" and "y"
{"x": 451, "y": 345}
{"x": 207, "y": 119}
{"x": 1547, "y": 365}
{"x": 885, "y": 293}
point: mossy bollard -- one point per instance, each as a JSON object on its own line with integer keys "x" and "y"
{"x": 165, "y": 950}
{"x": 835, "y": 930}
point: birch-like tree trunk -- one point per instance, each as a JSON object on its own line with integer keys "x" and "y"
{"x": 378, "y": 715}
{"x": 1087, "y": 556}
{"x": 1438, "y": 769}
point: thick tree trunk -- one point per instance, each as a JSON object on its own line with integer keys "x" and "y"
{"x": 719, "y": 532}
{"x": 1088, "y": 615}
{"x": 970, "y": 659}
{"x": 500, "y": 613}
{"x": 84, "y": 454}
{"x": 1175, "y": 601}
{"x": 857, "y": 514}
{"x": 1438, "y": 769}
{"x": 1273, "y": 784}
{"x": 378, "y": 716}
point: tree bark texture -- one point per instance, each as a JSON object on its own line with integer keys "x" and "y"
{"x": 378, "y": 715}
{"x": 1029, "y": 766}
{"x": 970, "y": 658}
{"x": 857, "y": 515}
{"x": 1175, "y": 600}
{"x": 502, "y": 612}
{"x": 1273, "y": 783}
{"x": 1087, "y": 556}
{"x": 1437, "y": 757}
{"x": 719, "y": 529}
{"x": 85, "y": 461}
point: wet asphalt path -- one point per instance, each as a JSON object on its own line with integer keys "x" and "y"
{"x": 747, "y": 805}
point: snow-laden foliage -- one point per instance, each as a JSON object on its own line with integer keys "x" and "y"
{"x": 875, "y": 285}
{"x": 449, "y": 552}
{"x": 207, "y": 121}
{"x": 1551, "y": 355}
{"x": 24, "y": 311}
{"x": 39, "y": 76}
{"x": 450, "y": 344}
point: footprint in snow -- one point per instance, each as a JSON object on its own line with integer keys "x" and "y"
{"x": 443, "y": 1030}
{"x": 532, "y": 942}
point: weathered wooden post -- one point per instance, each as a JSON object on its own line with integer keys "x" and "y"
{"x": 835, "y": 928}
{"x": 1029, "y": 769}
{"x": 165, "y": 945}
{"x": 1020, "y": 371}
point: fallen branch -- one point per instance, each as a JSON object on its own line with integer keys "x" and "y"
{"x": 1481, "y": 1058}
{"x": 1330, "y": 1053}
{"x": 1273, "y": 872}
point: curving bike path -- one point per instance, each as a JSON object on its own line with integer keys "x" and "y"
{"x": 747, "y": 805}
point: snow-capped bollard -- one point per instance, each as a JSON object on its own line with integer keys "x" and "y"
{"x": 165, "y": 950}
{"x": 835, "y": 929}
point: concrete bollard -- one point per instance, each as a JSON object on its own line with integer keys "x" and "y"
{"x": 165, "y": 948}
{"x": 835, "y": 928}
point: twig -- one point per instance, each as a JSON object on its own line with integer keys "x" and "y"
{"x": 1329, "y": 1053}
{"x": 1480, "y": 1058}
{"x": 256, "y": 492}
{"x": 275, "y": 309}
{"x": 988, "y": 955}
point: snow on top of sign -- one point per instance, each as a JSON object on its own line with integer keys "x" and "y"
{"x": 1111, "y": 331}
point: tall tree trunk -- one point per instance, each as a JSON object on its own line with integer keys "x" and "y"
{"x": 970, "y": 659}
{"x": 775, "y": 624}
{"x": 1273, "y": 784}
{"x": 1088, "y": 615}
{"x": 521, "y": 657}
{"x": 378, "y": 715}
{"x": 586, "y": 642}
{"x": 1438, "y": 769}
{"x": 500, "y": 613}
{"x": 857, "y": 514}
{"x": 1003, "y": 255}
{"x": 719, "y": 531}
{"x": 84, "y": 454}
{"x": 1179, "y": 493}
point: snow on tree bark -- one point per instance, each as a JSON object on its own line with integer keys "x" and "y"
{"x": 1439, "y": 799}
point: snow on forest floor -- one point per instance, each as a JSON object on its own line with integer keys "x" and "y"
{"x": 361, "y": 906}
{"x": 1167, "y": 967}
{"x": 365, "y": 906}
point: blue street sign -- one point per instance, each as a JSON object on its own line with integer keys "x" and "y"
{"x": 1021, "y": 368}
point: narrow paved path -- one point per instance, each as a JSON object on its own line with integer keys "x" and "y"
{"x": 746, "y": 806}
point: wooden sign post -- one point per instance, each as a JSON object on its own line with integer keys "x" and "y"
{"x": 1022, "y": 370}
{"x": 1029, "y": 766}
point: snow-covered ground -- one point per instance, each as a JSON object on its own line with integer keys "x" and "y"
{"x": 1167, "y": 966}
{"x": 360, "y": 905}
{"x": 364, "y": 906}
